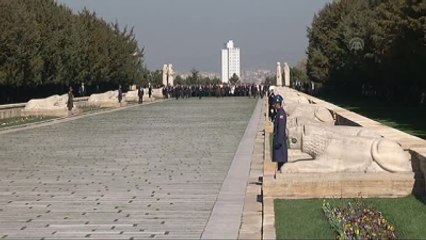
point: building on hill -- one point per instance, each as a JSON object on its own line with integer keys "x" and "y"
{"x": 230, "y": 61}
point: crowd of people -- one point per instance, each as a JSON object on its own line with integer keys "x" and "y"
{"x": 215, "y": 90}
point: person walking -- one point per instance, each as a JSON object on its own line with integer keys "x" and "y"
{"x": 140, "y": 94}
{"x": 150, "y": 92}
{"x": 280, "y": 153}
{"x": 70, "y": 102}
{"x": 120, "y": 94}
{"x": 200, "y": 91}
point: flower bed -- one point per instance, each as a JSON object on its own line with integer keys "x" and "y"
{"x": 358, "y": 221}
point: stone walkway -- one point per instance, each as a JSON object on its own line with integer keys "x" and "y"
{"x": 151, "y": 171}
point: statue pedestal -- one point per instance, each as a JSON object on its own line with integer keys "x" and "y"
{"x": 341, "y": 185}
{"x": 298, "y": 185}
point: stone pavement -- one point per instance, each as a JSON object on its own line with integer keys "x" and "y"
{"x": 150, "y": 171}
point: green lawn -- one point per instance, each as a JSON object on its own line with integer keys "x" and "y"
{"x": 304, "y": 219}
{"x": 410, "y": 119}
{"x": 8, "y": 122}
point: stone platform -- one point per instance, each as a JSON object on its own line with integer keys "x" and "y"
{"x": 146, "y": 171}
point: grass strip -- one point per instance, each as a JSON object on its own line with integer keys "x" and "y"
{"x": 15, "y": 121}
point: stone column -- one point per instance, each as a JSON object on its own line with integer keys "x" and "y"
{"x": 279, "y": 75}
{"x": 286, "y": 75}
{"x": 165, "y": 69}
{"x": 168, "y": 74}
{"x": 171, "y": 75}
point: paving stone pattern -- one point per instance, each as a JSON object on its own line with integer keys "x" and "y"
{"x": 152, "y": 171}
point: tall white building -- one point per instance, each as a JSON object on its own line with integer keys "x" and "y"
{"x": 230, "y": 61}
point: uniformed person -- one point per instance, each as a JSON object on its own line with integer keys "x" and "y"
{"x": 120, "y": 94}
{"x": 280, "y": 155}
{"x": 140, "y": 94}
{"x": 271, "y": 105}
{"x": 70, "y": 101}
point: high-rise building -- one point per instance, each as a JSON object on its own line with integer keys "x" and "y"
{"x": 230, "y": 61}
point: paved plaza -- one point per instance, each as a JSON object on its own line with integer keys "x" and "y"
{"x": 146, "y": 171}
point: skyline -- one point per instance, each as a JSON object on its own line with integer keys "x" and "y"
{"x": 191, "y": 33}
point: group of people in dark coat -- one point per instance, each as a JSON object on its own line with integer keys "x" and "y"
{"x": 215, "y": 90}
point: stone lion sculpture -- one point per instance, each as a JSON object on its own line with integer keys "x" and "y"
{"x": 55, "y": 105}
{"x": 332, "y": 152}
{"x": 309, "y": 111}
{"x": 303, "y": 125}
{"x": 55, "y": 102}
{"x": 291, "y": 96}
{"x": 110, "y": 96}
{"x": 132, "y": 96}
{"x": 106, "y": 99}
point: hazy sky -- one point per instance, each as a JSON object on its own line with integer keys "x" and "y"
{"x": 190, "y": 33}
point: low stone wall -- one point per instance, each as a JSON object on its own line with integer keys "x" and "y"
{"x": 11, "y": 110}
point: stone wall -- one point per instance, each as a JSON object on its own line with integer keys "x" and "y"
{"x": 11, "y": 110}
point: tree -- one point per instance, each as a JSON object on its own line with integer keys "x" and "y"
{"x": 298, "y": 74}
{"x": 372, "y": 44}
{"x": 45, "y": 47}
{"x": 234, "y": 79}
{"x": 194, "y": 78}
{"x": 271, "y": 80}
{"x": 179, "y": 80}
{"x": 157, "y": 78}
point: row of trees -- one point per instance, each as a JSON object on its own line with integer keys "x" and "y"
{"x": 45, "y": 47}
{"x": 370, "y": 47}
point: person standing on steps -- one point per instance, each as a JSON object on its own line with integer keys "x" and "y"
{"x": 280, "y": 153}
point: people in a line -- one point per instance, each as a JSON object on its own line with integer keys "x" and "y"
{"x": 280, "y": 153}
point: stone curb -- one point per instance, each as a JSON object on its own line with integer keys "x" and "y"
{"x": 268, "y": 226}
{"x": 225, "y": 219}
{"x": 251, "y": 222}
